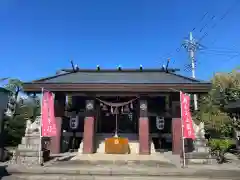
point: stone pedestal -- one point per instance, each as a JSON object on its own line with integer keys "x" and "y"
{"x": 200, "y": 153}
{"x": 28, "y": 151}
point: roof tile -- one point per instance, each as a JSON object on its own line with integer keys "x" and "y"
{"x": 120, "y": 77}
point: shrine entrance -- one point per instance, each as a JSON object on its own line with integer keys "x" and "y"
{"x": 147, "y": 107}
{"x": 117, "y": 115}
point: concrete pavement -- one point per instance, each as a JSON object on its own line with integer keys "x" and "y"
{"x": 125, "y": 171}
{"x": 106, "y": 168}
{"x": 36, "y": 177}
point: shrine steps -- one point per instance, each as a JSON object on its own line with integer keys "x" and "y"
{"x": 101, "y": 159}
{"x": 133, "y": 143}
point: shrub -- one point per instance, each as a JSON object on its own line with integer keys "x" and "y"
{"x": 220, "y": 144}
{"x": 219, "y": 147}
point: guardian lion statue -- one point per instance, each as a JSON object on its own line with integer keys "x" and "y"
{"x": 32, "y": 128}
{"x": 199, "y": 130}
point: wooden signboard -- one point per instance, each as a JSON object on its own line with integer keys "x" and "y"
{"x": 117, "y": 145}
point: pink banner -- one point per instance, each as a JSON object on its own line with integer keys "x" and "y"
{"x": 48, "y": 116}
{"x": 188, "y": 131}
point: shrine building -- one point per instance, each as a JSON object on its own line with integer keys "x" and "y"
{"x": 141, "y": 106}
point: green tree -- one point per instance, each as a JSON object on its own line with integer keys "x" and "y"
{"x": 225, "y": 88}
{"x": 25, "y": 108}
{"x": 3, "y": 79}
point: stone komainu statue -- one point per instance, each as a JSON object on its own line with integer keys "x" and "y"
{"x": 33, "y": 127}
{"x": 199, "y": 130}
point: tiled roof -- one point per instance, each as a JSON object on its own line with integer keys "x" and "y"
{"x": 120, "y": 77}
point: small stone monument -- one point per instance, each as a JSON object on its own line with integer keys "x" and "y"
{"x": 200, "y": 142}
{"x": 201, "y": 151}
{"x": 28, "y": 151}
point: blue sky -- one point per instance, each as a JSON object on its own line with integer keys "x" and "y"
{"x": 39, "y": 37}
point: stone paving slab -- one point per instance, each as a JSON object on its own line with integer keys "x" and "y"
{"x": 63, "y": 177}
{"x": 135, "y": 163}
{"x": 115, "y": 157}
{"x": 99, "y": 159}
{"x": 125, "y": 171}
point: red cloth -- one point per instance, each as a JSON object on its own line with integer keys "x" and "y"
{"x": 48, "y": 127}
{"x": 188, "y": 131}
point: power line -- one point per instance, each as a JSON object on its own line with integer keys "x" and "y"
{"x": 206, "y": 25}
{"x": 225, "y": 14}
{"x": 202, "y": 18}
{"x": 173, "y": 52}
{"x": 220, "y": 54}
{"x": 231, "y": 57}
{"x": 220, "y": 51}
{"x": 213, "y": 17}
{"x": 197, "y": 45}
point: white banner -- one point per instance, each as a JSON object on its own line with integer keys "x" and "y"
{"x": 160, "y": 123}
{"x": 74, "y": 122}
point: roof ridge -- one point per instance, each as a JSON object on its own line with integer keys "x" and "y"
{"x": 102, "y": 71}
{"x": 186, "y": 77}
{"x": 51, "y": 77}
{"x": 97, "y": 71}
{"x": 124, "y": 70}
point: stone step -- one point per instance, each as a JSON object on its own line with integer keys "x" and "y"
{"x": 202, "y": 149}
{"x": 88, "y": 177}
{"x": 197, "y": 155}
{"x": 25, "y": 160}
{"x": 199, "y": 158}
{"x": 28, "y": 153}
{"x": 199, "y": 161}
{"x": 33, "y": 147}
{"x": 112, "y": 163}
{"x": 30, "y": 140}
{"x": 123, "y": 172}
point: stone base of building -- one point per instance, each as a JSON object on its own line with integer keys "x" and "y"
{"x": 133, "y": 143}
{"x": 102, "y": 159}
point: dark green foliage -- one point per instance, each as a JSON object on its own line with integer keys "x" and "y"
{"x": 219, "y": 148}
{"x": 24, "y": 109}
{"x": 14, "y": 130}
{"x": 225, "y": 88}
{"x": 220, "y": 144}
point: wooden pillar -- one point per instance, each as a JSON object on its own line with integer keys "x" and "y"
{"x": 176, "y": 128}
{"x": 59, "y": 107}
{"x": 89, "y": 128}
{"x": 144, "y": 144}
{"x": 176, "y": 136}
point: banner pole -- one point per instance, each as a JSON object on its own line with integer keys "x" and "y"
{"x": 183, "y": 145}
{"x": 40, "y": 137}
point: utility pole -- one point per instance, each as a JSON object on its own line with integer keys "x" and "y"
{"x": 192, "y": 46}
{"x": 192, "y": 49}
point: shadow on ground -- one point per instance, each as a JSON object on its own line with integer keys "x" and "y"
{"x": 3, "y": 172}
